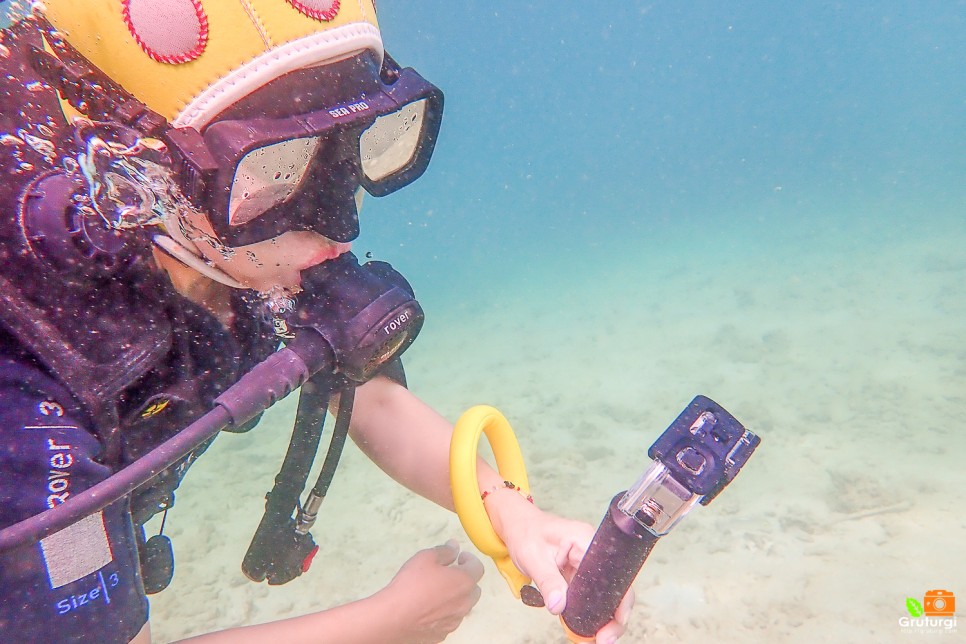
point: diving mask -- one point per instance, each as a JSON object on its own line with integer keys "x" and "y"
{"x": 259, "y": 174}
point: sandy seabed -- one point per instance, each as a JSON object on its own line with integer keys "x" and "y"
{"x": 844, "y": 348}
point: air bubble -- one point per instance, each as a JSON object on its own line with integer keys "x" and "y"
{"x": 43, "y": 146}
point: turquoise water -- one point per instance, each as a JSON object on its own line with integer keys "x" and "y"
{"x": 634, "y": 205}
{"x": 567, "y": 131}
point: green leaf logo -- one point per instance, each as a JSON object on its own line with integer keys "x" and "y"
{"x": 914, "y": 607}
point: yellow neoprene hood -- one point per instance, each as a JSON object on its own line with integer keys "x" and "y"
{"x": 190, "y": 59}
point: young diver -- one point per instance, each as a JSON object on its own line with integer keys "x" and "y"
{"x": 177, "y": 176}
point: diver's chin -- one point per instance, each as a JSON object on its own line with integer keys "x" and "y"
{"x": 288, "y": 279}
{"x": 290, "y": 285}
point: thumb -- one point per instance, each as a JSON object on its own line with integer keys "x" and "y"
{"x": 551, "y": 585}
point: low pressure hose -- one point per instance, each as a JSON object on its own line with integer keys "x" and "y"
{"x": 269, "y": 381}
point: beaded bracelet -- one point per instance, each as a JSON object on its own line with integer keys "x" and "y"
{"x": 510, "y": 486}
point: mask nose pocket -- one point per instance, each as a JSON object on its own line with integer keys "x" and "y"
{"x": 338, "y": 216}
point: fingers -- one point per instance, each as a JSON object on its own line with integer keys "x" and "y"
{"x": 609, "y": 634}
{"x": 468, "y": 564}
{"x": 623, "y": 612}
{"x": 471, "y": 565}
{"x": 549, "y": 574}
{"x": 447, "y": 553}
{"x": 473, "y": 597}
{"x": 615, "y": 628}
{"x": 551, "y": 585}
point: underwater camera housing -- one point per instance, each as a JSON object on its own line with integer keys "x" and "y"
{"x": 695, "y": 458}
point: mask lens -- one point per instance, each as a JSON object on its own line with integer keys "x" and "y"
{"x": 268, "y": 176}
{"x": 390, "y": 143}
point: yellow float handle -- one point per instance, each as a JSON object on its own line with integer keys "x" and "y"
{"x": 466, "y": 490}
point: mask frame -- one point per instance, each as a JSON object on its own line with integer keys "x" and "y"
{"x": 206, "y": 170}
{"x": 208, "y": 162}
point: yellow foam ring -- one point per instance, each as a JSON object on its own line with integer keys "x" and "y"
{"x": 96, "y": 28}
{"x": 466, "y": 491}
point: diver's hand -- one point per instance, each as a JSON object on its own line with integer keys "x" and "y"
{"x": 432, "y": 593}
{"x": 548, "y": 549}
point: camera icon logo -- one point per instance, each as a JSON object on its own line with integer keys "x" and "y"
{"x": 939, "y": 603}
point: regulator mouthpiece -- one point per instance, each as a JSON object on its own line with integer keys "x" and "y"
{"x": 366, "y": 314}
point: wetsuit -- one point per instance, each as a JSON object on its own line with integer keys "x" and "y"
{"x": 84, "y": 583}
{"x": 95, "y": 370}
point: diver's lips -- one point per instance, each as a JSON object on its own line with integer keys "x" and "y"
{"x": 331, "y": 251}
